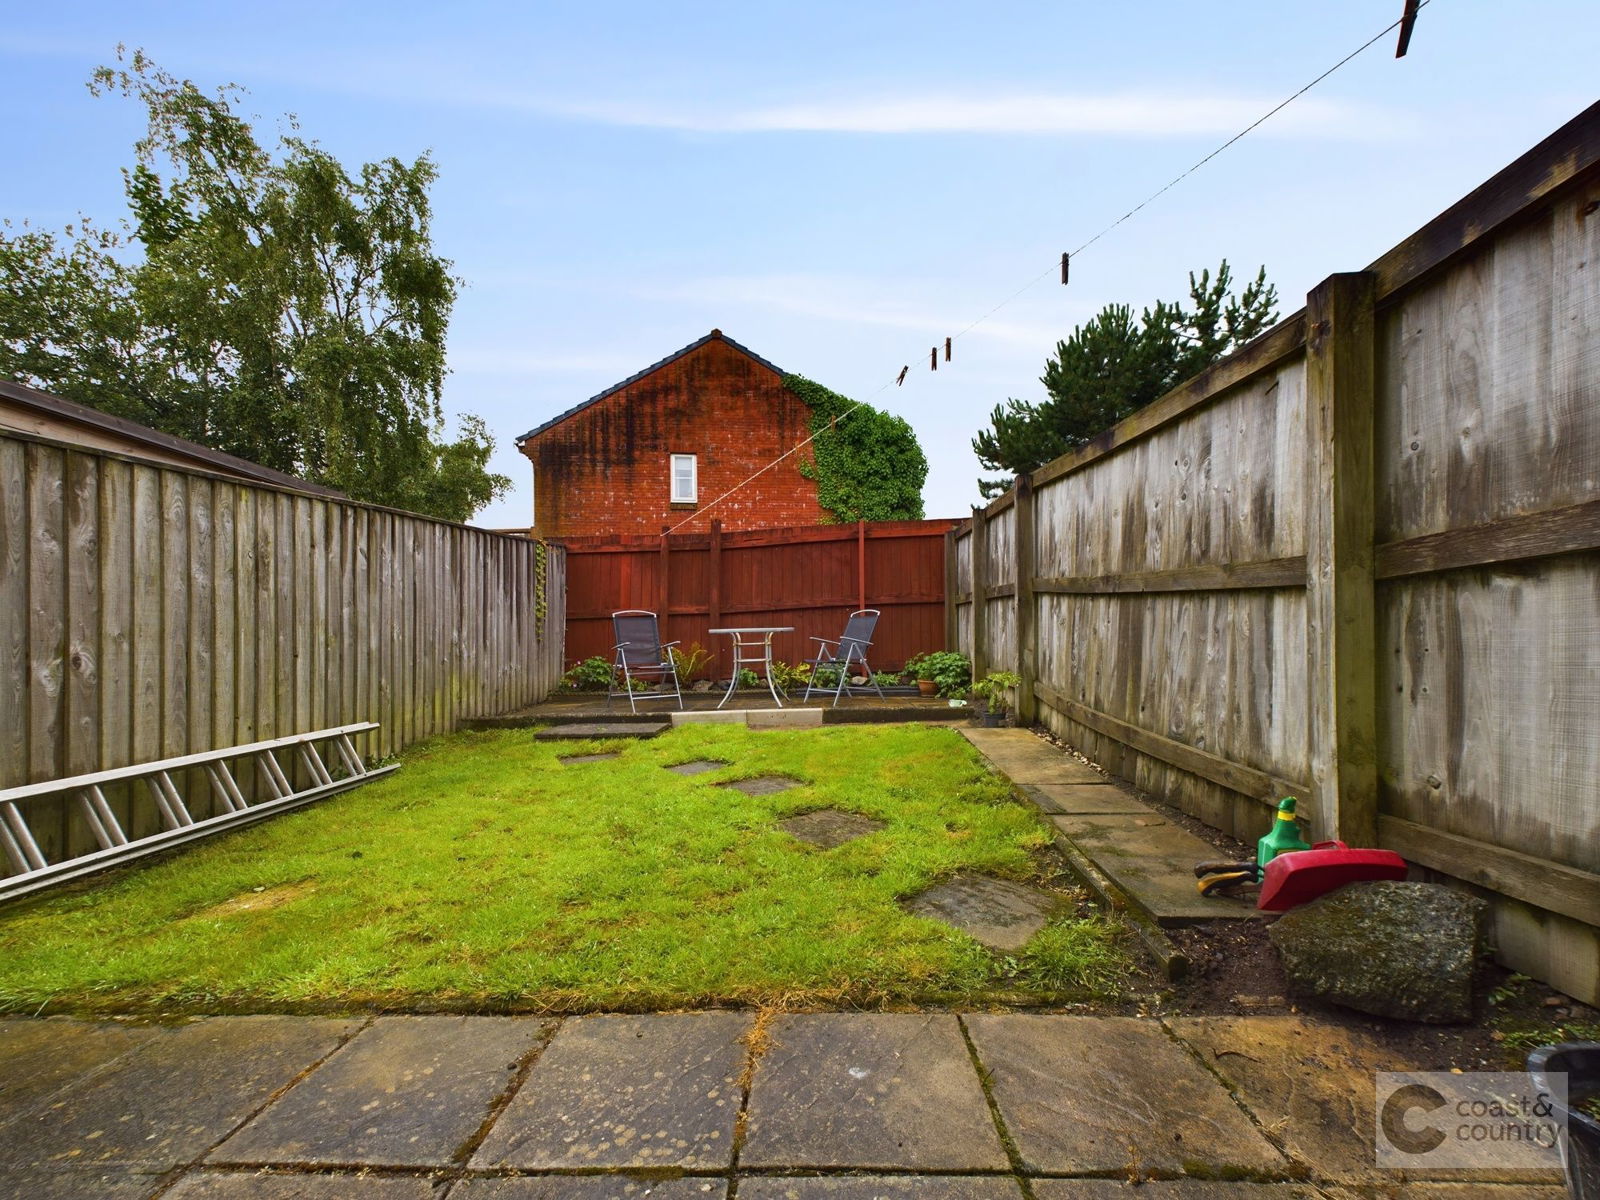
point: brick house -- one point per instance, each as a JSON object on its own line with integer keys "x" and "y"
{"x": 663, "y": 444}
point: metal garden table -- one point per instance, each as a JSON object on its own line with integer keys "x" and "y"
{"x": 752, "y": 644}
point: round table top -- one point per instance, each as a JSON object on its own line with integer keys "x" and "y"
{"x": 755, "y": 629}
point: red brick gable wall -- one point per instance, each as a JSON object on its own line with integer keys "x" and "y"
{"x": 606, "y": 469}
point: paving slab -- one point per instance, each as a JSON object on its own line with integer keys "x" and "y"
{"x": 1000, "y": 913}
{"x": 699, "y": 766}
{"x": 40, "y": 1057}
{"x": 626, "y": 1091}
{"x": 1312, "y": 1083}
{"x": 597, "y": 730}
{"x": 764, "y": 785}
{"x": 1067, "y": 799}
{"x": 1443, "y": 1191}
{"x": 1083, "y": 1095}
{"x": 784, "y": 718}
{"x": 1152, "y": 860}
{"x": 591, "y": 1187}
{"x": 869, "y": 1091}
{"x": 405, "y": 1092}
{"x": 1023, "y": 756}
{"x": 111, "y": 1183}
{"x": 726, "y": 716}
{"x": 830, "y": 827}
{"x": 881, "y": 1187}
{"x": 578, "y": 759}
{"x": 175, "y": 1096}
{"x": 1177, "y": 1189}
{"x": 259, "y": 1185}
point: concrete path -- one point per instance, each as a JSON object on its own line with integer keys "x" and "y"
{"x": 1146, "y": 857}
{"x": 832, "y": 1106}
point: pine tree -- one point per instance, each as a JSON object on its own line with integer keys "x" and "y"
{"x": 1114, "y": 365}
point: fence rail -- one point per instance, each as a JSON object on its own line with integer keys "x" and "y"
{"x": 1359, "y": 561}
{"x": 810, "y": 577}
{"x": 149, "y": 612}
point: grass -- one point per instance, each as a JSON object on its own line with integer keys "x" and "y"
{"x": 486, "y": 875}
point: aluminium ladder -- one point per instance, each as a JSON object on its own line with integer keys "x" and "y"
{"x": 34, "y": 871}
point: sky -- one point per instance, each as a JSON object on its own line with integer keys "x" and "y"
{"x": 837, "y": 186}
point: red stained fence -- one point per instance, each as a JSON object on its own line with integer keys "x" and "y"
{"x": 811, "y": 577}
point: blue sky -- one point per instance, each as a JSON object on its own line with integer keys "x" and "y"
{"x": 837, "y": 186}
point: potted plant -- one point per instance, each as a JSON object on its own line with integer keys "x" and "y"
{"x": 992, "y": 689}
{"x": 941, "y": 672}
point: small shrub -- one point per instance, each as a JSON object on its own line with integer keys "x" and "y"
{"x": 748, "y": 678}
{"x": 691, "y": 660}
{"x": 992, "y": 689}
{"x": 790, "y": 678}
{"x": 947, "y": 668}
{"x": 590, "y": 675}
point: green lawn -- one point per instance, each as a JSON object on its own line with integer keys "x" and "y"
{"x": 486, "y": 875}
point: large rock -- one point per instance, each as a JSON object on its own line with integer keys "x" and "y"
{"x": 1406, "y": 950}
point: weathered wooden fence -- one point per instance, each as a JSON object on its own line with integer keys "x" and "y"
{"x": 1359, "y": 561}
{"x": 150, "y": 611}
{"x": 810, "y": 577}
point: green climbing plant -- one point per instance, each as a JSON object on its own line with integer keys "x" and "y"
{"x": 867, "y": 463}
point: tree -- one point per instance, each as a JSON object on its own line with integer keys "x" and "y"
{"x": 269, "y": 304}
{"x": 867, "y": 463}
{"x": 1114, "y": 365}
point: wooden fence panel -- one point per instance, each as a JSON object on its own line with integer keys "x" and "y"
{"x": 808, "y": 577}
{"x": 150, "y": 611}
{"x": 1359, "y": 561}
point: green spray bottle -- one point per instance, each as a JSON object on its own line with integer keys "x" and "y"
{"x": 1283, "y": 837}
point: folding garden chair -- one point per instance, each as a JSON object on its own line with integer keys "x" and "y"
{"x": 641, "y": 657}
{"x": 850, "y": 647}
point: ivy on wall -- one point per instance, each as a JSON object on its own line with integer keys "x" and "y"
{"x": 866, "y": 463}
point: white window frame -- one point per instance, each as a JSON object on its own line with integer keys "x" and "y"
{"x": 677, "y": 497}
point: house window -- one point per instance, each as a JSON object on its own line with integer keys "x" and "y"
{"x": 685, "y": 484}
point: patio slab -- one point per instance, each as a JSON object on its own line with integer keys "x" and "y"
{"x": 1311, "y": 1082}
{"x": 176, "y": 1096}
{"x": 42, "y": 1057}
{"x": 256, "y": 1185}
{"x": 870, "y": 1091}
{"x": 591, "y": 1187}
{"x": 589, "y": 758}
{"x": 597, "y": 730}
{"x": 881, "y": 1187}
{"x": 1020, "y": 754}
{"x": 1152, "y": 861}
{"x": 830, "y": 827}
{"x": 406, "y": 1091}
{"x": 110, "y": 1184}
{"x": 1176, "y": 1189}
{"x": 1104, "y": 1094}
{"x": 1000, "y": 913}
{"x": 627, "y": 1091}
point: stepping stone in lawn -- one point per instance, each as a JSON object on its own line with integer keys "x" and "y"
{"x": 1001, "y": 914}
{"x": 583, "y": 758}
{"x": 698, "y": 767}
{"x": 830, "y": 827}
{"x": 764, "y": 785}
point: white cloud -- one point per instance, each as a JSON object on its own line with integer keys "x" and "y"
{"x": 850, "y": 300}
{"x": 1144, "y": 114}
{"x": 499, "y": 360}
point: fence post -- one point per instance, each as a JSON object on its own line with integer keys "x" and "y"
{"x": 1027, "y": 648}
{"x": 861, "y": 565}
{"x": 1340, "y": 603}
{"x": 714, "y": 601}
{"x": 666, "y": 563}
{"x": 980, "y": 608}
{"x": 952, "y": 585}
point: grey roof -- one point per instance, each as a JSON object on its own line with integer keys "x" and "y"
{"x": 135, "y": 435}
{"x": 714, "y": 335}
